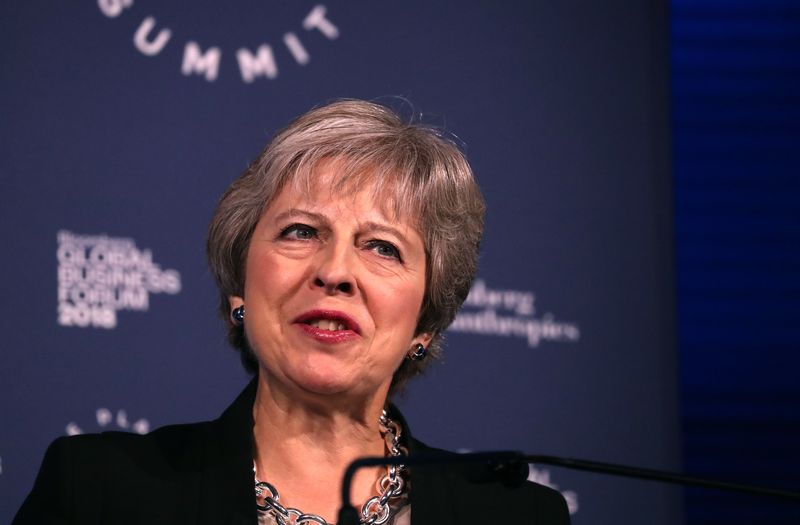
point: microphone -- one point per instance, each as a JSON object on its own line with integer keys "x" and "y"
{"x": 508, "y": 467}
{"x": 511, "y": 469}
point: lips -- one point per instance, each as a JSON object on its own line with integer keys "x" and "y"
{"x": 332, "y": 321}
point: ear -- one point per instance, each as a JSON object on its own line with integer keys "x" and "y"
{"x": 234, "y": 301}
{"x": 424, "y": 339}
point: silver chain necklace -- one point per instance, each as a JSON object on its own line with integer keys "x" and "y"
{"x": 377, "y": 509}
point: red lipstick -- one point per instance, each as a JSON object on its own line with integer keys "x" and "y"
{"x": 350, "y": 331}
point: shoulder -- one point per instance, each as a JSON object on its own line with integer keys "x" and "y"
{"x": 93, "y": 478}
{"x": 476, "y": 496}
{"x": 168, "y": 447}
{"x": 78, "y": 472}
{"x": 92, "y": 458}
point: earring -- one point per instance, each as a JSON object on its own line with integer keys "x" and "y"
{"x": 418, "y": 352}
{"x": 237, "y": 315}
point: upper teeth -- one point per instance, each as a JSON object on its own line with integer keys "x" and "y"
{"x": 326, "y": 324}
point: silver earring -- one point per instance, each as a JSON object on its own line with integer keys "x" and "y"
{"x": 418, "y": 352}
{"x": 237, "y": 315}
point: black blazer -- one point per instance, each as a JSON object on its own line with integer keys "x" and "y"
{"x": 202, "y": 474}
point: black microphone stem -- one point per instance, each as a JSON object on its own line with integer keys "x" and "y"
{"x": 348, "y": 515}
{"x": 659, "y": 475}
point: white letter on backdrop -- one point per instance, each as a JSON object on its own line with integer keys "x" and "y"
{"x": 113, "y": 8}
{"x": 316, "y": 20}
{"x": 296, "y": 48}
{"x": 261, "y": 64}
{"x": 195, "y": 61}
{"x": 152, "y": 47}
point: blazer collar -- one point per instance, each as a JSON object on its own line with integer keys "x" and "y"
{"x": 226, "y": 491}
{"x": 430, "y": 486}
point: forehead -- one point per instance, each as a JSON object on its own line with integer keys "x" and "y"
{"x": 341, "y": 183}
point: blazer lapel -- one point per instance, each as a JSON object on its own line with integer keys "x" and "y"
{"x": 430, "y": 489}
{"x": 226, "y": 493}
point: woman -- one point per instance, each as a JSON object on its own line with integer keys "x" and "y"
{"x": 341, "y": 255}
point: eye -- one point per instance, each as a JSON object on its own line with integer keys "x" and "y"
{"x": 384, "y": 249}
{"x": 300, "y": 232}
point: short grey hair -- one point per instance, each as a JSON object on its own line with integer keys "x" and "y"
{"x": 413, "y": 167}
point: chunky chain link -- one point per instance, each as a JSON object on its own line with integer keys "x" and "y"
{"x": 377, "y": 509}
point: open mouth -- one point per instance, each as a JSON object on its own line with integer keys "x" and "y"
{"x": 327, "y": 324}
{"x": 329, "y": 320}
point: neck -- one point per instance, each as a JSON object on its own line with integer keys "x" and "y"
{"x": 304, "y": 442}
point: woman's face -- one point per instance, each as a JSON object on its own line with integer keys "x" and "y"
{"x": 333, "y": 290}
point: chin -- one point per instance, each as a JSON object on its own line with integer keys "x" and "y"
{"x": 323, "y": 381}
{"x": 323, "y": 389}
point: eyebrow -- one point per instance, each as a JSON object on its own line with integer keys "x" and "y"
{"x": 378, "y": 227}
{"x": 368, "y": 226}
{"x": 294, "y": 212}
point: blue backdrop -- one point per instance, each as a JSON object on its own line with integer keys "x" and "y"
{"x": 124, "y": 121}
{"x": 736, "y": 108}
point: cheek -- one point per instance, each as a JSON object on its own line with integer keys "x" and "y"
{"x": 267, "y": 280}
{"x": 260, "y": 277}
{"x": 402, "y": 306}
{"x": 268, "y": 286}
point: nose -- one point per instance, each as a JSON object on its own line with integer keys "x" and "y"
{"x": 334, "y": 270}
